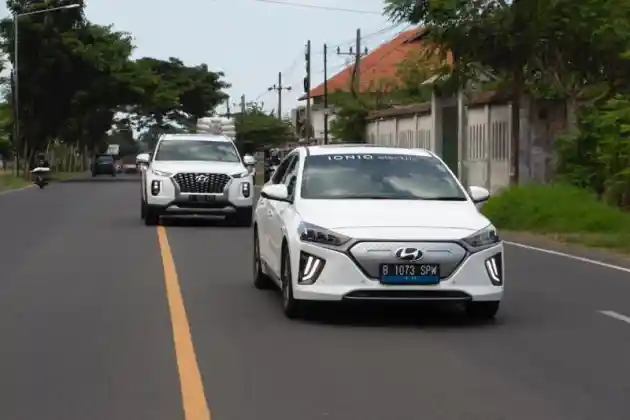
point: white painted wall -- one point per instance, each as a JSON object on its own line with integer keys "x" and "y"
{"x": 488, "y": 134}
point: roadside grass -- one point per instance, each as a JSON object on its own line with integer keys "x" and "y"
{"x": 563, "y": 213}
{"x": 8, "y": 181}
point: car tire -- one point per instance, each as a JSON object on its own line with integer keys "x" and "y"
{"x": 244, "y": 217}
{"x": 261, "y": 280}
{"x": 143, "y": 209}
{"x": 152, "y": 215}
{"x": 482, "y": 311}
{"x": 293, "y": 308}
{"x": 113, "y": 173}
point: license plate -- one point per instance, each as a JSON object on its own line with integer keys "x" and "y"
{"x": 202, "y": 198}
{"x": 410, "y": 274}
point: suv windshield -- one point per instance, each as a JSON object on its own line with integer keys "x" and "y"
{"x": 197, "y": 150}
{"x": 378, "y": 176}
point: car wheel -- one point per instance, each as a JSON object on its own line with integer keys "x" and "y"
{"x": 292, "y": 307}
{"x": 151, "y": 216}
{"x": 261, "y": 280}
{"x": 482, "y": 311}
{"x": 113, "y": 173}
{"x": 143, "y": 209}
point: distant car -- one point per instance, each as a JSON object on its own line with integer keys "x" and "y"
{"x": 130, "y": 168}
{"x": 375, "y": 223}
{"x": 104, "y": 165}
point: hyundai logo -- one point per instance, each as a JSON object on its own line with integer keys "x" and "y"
{"x": 202, "y": 178}
{"x": 408, "y": 254}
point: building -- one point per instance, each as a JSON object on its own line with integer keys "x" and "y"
{"x": 378, "y": 66}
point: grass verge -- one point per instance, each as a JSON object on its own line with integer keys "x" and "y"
{"x": 8, "y": 181}
{"x": 563, "y": 213}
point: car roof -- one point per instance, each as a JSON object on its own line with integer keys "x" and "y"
{"x": 332, "y": 149}
{"x": 197, "y": 137}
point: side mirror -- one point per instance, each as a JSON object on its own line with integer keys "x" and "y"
{"x": 277, "y": 192}
{"x": 479, "y": 194}
{"x": 249, "y": 160}
{"x": 143, "y": 158}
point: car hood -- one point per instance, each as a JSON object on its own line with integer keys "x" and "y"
{"x": 199, "y": 166}
{"x": 402, "y": 219}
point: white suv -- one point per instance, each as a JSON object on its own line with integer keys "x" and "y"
{"x": 196, "y": 174}
{"x": 340, "y": 223}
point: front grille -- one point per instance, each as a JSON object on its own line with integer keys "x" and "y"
{"x": 200, "y": 183}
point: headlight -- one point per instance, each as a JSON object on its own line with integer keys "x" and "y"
{"x": 161, "y": 173}
{"x": 316, "y": 234}
{"x": 240, "y": 175}
{"x": 482, "y": 239}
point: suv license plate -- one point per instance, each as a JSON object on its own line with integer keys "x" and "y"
{"x": 202, "y": 198}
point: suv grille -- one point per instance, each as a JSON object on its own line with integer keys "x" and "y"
{"x": 200, "y": 183}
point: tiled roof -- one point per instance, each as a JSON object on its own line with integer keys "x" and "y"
{"x": 378, "y": 65}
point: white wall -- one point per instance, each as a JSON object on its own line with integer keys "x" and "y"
{"x": 488, "y": 134}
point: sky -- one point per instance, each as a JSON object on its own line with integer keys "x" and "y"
{"x": 249, "y": 40}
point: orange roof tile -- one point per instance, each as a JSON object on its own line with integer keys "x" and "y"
{"x": 378, "y": 65}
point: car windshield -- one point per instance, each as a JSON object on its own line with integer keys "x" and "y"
{"x": 378, "y": 176}
{"x": 197, "y": 150}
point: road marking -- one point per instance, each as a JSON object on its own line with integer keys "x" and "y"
{"x": 616, "y": 315}
{"x": 193, "y": 395}
{"x": 573, "y": 257}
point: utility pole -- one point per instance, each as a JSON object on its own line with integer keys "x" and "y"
{"x": 279, "y": 88}
{"x": 227, "y": 103}
{"x": 307, "y": 89}
{"x": 356, "y": 53}
{"x": 325, "y": 94}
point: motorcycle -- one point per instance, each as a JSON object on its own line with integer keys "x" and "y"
{"x": 40, "y": 176}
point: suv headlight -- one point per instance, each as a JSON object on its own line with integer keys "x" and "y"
{"x": 161, "y": 173}
{"x": 240, "y": 174}
{"x": 485, "y": 238}
{"x": 321, "y": 236}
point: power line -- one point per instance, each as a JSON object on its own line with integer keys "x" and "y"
{"x": 312, "y": 6}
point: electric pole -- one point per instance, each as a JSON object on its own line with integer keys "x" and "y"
{"x": 279, "y": 88}
{"x": 307, "y": 89}
{"x": 356, "y": 53}
{"x": 227, "y": 103}
{"x": 325, "y": 94}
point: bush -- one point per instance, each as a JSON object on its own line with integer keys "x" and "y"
{"x": 561, "y": 209}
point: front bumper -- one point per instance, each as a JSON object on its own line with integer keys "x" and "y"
{"x": 172, "y": 201}
{"x": 341, "y": 279}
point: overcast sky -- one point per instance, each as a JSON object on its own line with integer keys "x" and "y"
{"x": 249, "y": 40}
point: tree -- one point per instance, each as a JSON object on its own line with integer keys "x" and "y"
{"x": 257, "y": 128}
{"x": 177, "y": 94}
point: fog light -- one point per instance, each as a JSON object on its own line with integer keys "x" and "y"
{"x": 155, "y": 187}
{"x": 310, "y": 268}
{"x": 494, "y": 267}
{"x": 246, "y": 189}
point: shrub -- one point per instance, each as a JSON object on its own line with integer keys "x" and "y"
{"x": 554, "y": 209}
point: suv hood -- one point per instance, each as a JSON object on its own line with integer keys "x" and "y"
{"x": 403, "y": 219}
{"x": 174, "y": 167}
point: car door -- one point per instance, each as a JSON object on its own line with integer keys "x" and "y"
{"x": 264, "y": 215}
{"x": 276, "y": 220}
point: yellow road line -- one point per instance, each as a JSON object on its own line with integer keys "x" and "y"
{"x": 193, "y": 396}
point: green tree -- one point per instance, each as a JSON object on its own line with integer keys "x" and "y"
{"x": 257, "y": 128}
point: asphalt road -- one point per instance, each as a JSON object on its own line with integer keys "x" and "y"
{"x": 103, "y": 318}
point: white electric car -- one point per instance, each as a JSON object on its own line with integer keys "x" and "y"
{"x": 197, "y": 174}
{"x": 359, "y": 222}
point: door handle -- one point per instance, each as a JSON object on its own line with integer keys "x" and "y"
{"x": 269, "y": 213}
